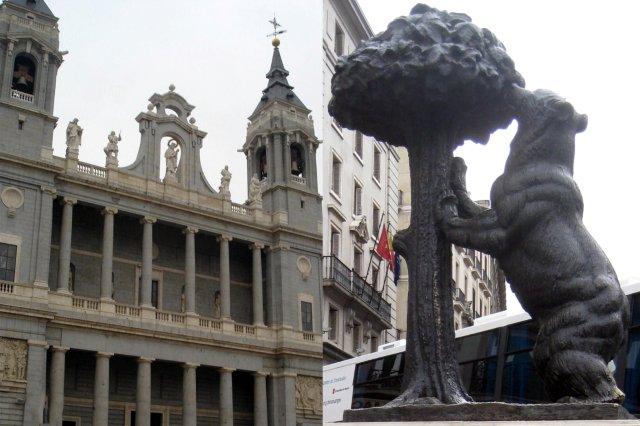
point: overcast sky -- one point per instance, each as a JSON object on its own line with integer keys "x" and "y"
{"x": 588, "y": 53}
{"x": 215, "y": 52}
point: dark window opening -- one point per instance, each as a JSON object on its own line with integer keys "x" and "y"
{"x": 154, "y": 293}
{"x": 72, "y": 278}
{"x": 261, "y": 156}
{"x": 297, "y": 160}
{"x": 307, "y": 317}
{"x": 8, "y": 254}
{"x": 24, "y": 74}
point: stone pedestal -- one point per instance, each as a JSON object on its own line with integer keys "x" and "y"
{"x": 489, "y": 411}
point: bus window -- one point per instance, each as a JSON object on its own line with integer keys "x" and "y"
{"x": 478, "y": 346}
{"x": 378, "y": 381}
{"x": 520, "y": 382}
{"x": 479, "y": 378}
{"x": 632, "y": 369}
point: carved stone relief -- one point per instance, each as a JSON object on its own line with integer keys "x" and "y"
{"x": 13, "y": 199}
{"x": 13, "y": 359}
{"x": 309, "y": 394}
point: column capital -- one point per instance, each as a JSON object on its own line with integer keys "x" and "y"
{"x": 56, "y": 348}
{"x": 109, "y": 210}
{"x": 187, "y": 365}
{"x": 224, "y": 237}
{"x": 104, "y": 354}
{"x": 38, "y": 343}
{"x": 280, "y": 246}
{"x": 226, "y": 369}
{"x": 190, "y": 230}
{"x": 260, "y": 373}
{"x": 69, "y": 200}
{"x": 148, "y": 219}
{"x": 257, "y": 246}
{"x": 144, "y": 359}
{"x": 49, "y": 190}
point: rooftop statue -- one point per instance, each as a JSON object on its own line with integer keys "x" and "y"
{"x": 430, "y": 82}
{"x": 111, "y": 150}
{"x": 171, "y": 157}
{"x": 74, "y": 138}
{"x": 225, "y": 181}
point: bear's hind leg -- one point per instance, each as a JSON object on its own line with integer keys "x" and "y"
{"x": 577, "y": 375}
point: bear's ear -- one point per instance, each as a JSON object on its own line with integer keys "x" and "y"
{"x": 564, "y": 110}
{"x": 583, "y": 120}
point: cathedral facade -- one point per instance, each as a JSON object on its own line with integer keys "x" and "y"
{"x": 131, "y": 299}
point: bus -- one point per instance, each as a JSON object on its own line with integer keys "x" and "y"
{"x": 495, "y": 362}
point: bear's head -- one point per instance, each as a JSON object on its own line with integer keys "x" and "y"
{"x": 547, "y": 125}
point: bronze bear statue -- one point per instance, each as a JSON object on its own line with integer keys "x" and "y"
{"x": 556, "y": 269}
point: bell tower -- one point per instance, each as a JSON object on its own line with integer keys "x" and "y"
{"x": 281, "y": 151}
{"x": 29, "y": 62}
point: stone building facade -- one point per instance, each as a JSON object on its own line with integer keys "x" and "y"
{"x": 478, "y": 283}
{"x": 360, "y": 190}
{"x": 127, "y": 298}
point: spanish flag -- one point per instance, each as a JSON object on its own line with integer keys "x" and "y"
{"x": 384, "y": 248}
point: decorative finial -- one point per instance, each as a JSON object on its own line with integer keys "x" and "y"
{"x": 172, "y": 87}
{"x": 276, "y": 41}
{"x": 192, "y": 120}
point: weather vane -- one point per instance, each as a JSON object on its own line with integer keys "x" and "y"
{"x": 276, "y": 31}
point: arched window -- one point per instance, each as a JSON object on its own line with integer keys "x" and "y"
{"x": 261, "y": 158}
{"x": 297, "y": 160}
{"x": 24, "y": 74}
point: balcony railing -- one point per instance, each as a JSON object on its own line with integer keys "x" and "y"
{"x": 16, "y": 94}
{"x": 353, "y": 283}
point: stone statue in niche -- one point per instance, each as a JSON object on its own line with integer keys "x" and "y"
{"x": 74, "y": 139}
{"x": 171, "y": 157}
{"x": 255, "y": 191}
{"x": 225, "y": 181}
{"x": 554, "y": 266}
{"x": 111, "y": 150}
{"x": 13, "y": 359}
{"x": 217, "y": 309}
{"x": 431, "y": 81}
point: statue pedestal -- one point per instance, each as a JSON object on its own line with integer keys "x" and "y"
{"x": 490, "y": 411}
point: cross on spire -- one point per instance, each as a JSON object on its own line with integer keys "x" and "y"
{"x": 276, "y": 31}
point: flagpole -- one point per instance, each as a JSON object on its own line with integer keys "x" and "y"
{"x": 374, "y": 247}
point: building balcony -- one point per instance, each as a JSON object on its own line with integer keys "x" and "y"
{"x": 484, "y": 287}
{"x": 469, "y": 257}
{"x": 79, "y": 311}
{"x": 459, "y": 300}
{"x": 21, "y": 96}
{"x": 354, "y": 287}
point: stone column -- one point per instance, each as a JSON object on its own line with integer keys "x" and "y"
{"x": 147, "y": 261}
{"x": 279, "y": 164}
{"x": 64, "y": 258}
{"x": 225, "y": 277}
{"x": 36, "y": 380}
{"x": 143, "y": 392}
{"x": 106, "y": 287}
{"x": 44, "y": 236}
{"x": 312, "y": 177}
{"x": 258, "y": 317}
{"x": 287, "y": 158}
{"x": 260, "y": 399}
{"x": 226, "y": 396}
{"x": 56, "y": 385}
{"x": 189, "y": 405}
{"x": 101, "y": 390}
{"x": 190, "y": 269}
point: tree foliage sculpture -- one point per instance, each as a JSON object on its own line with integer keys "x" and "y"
{"x": 429, "y": 82}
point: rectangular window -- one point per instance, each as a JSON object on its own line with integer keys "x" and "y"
{"x": 376, "y": 163}
{"x": 333, "y": 324}
{"x": 335, "y": 242}
{"x": 338, "y": 46}
{"x": 154, "y": 293}
{"x": 374, "y": 277}
{"x": 357, "y": 199}
{"x": 307, "y": 317}
{"x": 356, "y": 336}
{"x": 335, "y": 175}
{"x": 357, "y": 261}
{"x": 357, "y": 146}
{"x": 375, "y": 221}
{"x": 8, "y": 253}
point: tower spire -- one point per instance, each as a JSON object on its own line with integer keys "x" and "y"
{"x": 278, "y": 88}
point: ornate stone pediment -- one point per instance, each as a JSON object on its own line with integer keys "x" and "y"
{"x": 13, "y": 359}
{"x": 359, "y": 227}
{"x": 309, "y": 394}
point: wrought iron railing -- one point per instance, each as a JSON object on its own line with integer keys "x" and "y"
{"x": 352, "y": 282}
